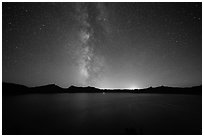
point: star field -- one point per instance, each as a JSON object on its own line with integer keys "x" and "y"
{"x": 106, "y": 45}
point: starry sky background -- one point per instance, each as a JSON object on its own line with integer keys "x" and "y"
{"x": 105, "y": 45}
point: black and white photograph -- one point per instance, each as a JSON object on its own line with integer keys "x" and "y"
{"x": 101, "y": 68}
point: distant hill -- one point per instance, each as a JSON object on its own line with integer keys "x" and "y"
{"x": 15, "y": 89}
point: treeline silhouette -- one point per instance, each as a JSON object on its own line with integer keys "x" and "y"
{"x": 15, "y": 89}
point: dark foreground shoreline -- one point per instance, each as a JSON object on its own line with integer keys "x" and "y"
{"x": 41, "y": 111}
{"x": 15, "y": 89}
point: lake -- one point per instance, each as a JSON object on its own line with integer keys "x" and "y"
{"x": 97, "y": 113}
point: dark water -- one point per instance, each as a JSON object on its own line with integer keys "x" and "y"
{"x": 94, "y": 113}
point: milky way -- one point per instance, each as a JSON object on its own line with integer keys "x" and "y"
{"x": 106, "y": 45}
{"x": 90, "y": 64}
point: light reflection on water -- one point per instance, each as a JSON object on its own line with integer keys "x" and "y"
{"x": 89, "y": 113}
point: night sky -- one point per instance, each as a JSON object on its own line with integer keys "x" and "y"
{"x": 105, "y": 45}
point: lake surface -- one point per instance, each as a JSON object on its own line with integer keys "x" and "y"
{"x": 96, "y": 113}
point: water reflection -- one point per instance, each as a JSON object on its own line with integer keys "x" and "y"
{"x": 98, "y": 113}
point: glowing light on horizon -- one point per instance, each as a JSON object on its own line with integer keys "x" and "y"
{"x": 133, "y": 87}
{"x": 129, "y": 88}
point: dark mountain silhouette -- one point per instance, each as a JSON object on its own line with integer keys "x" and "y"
{"x": 52, "y": 88}
{"x": 14, "y": 89}
{"x": 10, "y": 88}
{"x": 52, "y": 110}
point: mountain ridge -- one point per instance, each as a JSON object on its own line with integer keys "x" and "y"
{"x": 11, "y": 88}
